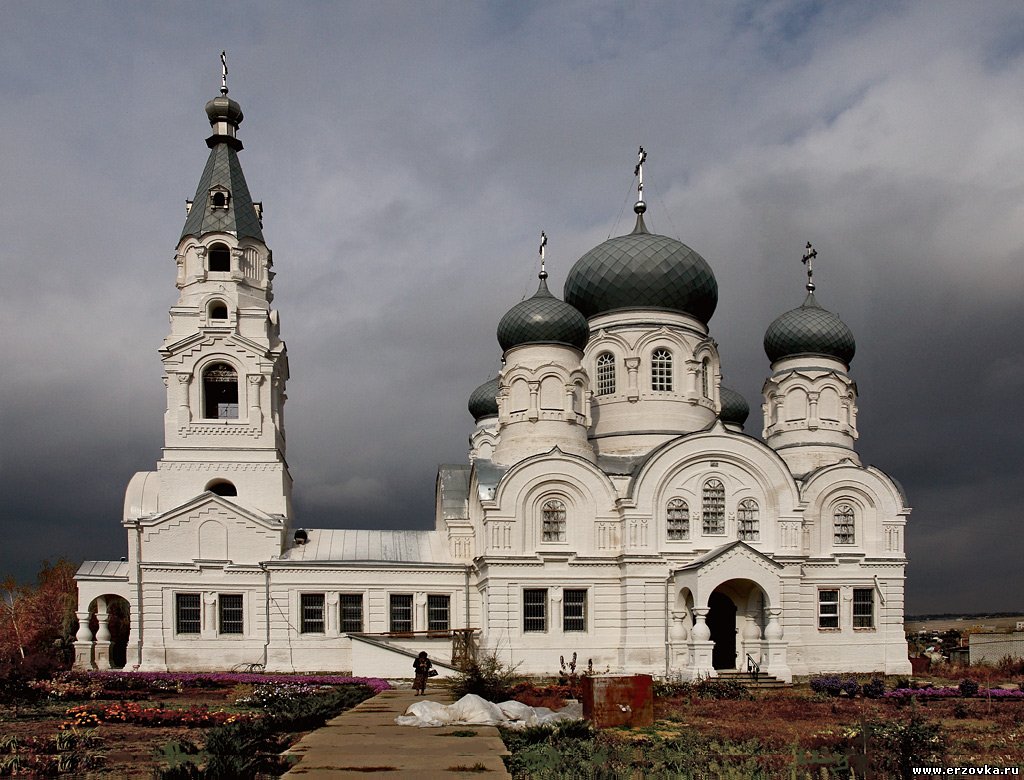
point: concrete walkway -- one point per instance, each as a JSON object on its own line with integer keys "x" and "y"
{"x": 364, "y": 741}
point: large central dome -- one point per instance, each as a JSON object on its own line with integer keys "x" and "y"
{"x": 642, "y": 270}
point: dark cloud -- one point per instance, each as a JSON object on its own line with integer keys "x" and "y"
{"x": 408, "y": 156}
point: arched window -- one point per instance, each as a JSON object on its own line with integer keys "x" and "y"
{"x": 843, "y": 523}
{"x": 605, "y": 373}
{"x": 220, "y": 257}
{"x": 661, "y": 370}
{"x": 713, "y": 508}
{"x": 553, "y": 521}
{"x": 748, "y": 521}
{"x": 678, "y": 520}
{"x": 220, "y": 392}
{"x": 221, "y": 487}
{"x": 218, "y": 310}
{"x": 705, "y": 377}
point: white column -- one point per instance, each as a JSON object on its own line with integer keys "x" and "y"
{"x": 84, "y": 643}
{"x": 102, "y": 645}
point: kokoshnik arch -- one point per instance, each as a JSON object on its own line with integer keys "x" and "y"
{"x": 611, "y": 502}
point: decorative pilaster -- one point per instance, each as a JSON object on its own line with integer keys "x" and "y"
{"x": 632, "y": 379}
{"x": 700, "y": 647}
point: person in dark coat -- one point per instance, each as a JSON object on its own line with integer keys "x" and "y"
{"x": 421, "y": 666}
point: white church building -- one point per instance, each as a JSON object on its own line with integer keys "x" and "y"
{"x": 611, "y": 505}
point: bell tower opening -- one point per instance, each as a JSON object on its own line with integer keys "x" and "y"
{"x": 220, "y": 392}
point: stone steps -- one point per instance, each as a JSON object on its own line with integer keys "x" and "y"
{"x": 764, "y": 680}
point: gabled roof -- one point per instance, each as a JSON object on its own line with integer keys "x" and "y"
{"x": 102, "y": 570}
{"x": 744, "y": 548}
{"x": 239, "y": 218}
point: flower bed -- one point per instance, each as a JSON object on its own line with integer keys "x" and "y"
{"x": 112, "y": 680}
{"x": 132, "y": 712}
{"x": 953, "y": 693}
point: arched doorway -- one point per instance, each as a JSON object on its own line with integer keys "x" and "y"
{"x": 110, "y": 625}
{"x": 721, "y": 621}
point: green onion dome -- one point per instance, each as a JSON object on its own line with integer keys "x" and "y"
{"x": 543, "y": 319}
{"x": 483, "y": 402}
{"x": 809, "y": 330}
{"x": 735, "y": 408}
{"x": 642, "y": 270}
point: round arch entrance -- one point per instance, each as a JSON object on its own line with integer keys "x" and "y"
{"x": 736, "y": 620}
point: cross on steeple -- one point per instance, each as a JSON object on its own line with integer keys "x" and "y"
{"x": 808, "y": 259}
{"x": 223, "y": 73}
{"x": 543, "y": 243}
{"x": 641, "y": 158}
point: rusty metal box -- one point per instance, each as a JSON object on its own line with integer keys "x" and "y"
{"x": 619, "y": 700}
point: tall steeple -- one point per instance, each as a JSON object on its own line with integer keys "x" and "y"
{"x": 226, "y": 366}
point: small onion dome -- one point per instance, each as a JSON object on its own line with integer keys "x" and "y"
{"x": 224, "y": 109}
{"x": 809, "y": 330}
{"x": 735, "y": 408}
{"x": 483, "y": 401}
{"x": 642, "y": 271}
{"x": 543, "y": 319}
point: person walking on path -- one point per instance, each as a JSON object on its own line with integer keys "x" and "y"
{"x": 422, "y": 667}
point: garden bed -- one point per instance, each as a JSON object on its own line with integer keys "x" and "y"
{"x": 137, "y": 724}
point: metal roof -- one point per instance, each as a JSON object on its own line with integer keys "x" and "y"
{"x": 454, "y": 486}
{"x": 239, "y": 218}
{"x": 329, "y": 544}
{"x": 103, "y": 570}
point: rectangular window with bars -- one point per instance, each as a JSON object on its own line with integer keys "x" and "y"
{"x": 312, "y": 613}
{"x": 401, "y": 613}
{"x": 350, "y": 606}
{"x": 863, "y": 608}
{"x": 230, "y": 615}
{"x": 828, "y": 609}
{"x": 535, "y": 613}
{"x": 188, "y": 613}
{"x": 438, "y": 609}
{"x": 574, "y": 610}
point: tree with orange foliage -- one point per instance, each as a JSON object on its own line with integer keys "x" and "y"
{"x": 39, "y": 619}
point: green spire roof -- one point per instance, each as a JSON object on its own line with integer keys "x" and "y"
{"x": 222, "y": 202}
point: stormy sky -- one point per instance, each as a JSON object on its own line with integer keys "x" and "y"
{"x": 408, "y": 155}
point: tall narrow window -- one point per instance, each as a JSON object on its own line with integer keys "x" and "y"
{"x": 863, "y": 608}
{"x": 438, "y": 610}
{"x": 574, "y": 610}
{"x": 350, "y": 606}
{"x": 535, "y": 615}
{"x": 219, "y": 258}
{"x": 553, "y": 521}
{"x": 401, "y": 613}
{"x": 661, "y": 370}
{"x": 312, "y": 613}
{"x": 713, "y": 508}
{"x": 678, "y": 517}
{"x": 748, "y": 521}
{"x": 605, "y": 373}
{"x": 220, "y": 392}
{"x": 188, "y": 613}
{"x": 843, "y": 524}
{"x": 828, "y": 609}
{"x": 705, "y": 377}
{"x": 230, "y": 614}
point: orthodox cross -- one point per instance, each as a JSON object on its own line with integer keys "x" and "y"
{"x": 223, "y": 73}
{"x": 808, "y": 259}
{"x": 543, "y": 243}
{"x": 641, "y": 158}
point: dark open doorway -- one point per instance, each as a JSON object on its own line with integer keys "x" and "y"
{"x": 722, "y": 622}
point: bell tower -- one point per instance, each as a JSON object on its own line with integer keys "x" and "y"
{"x": 225, "y": 366}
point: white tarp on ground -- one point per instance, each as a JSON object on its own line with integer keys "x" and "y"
{"x": 471, "y": 710}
